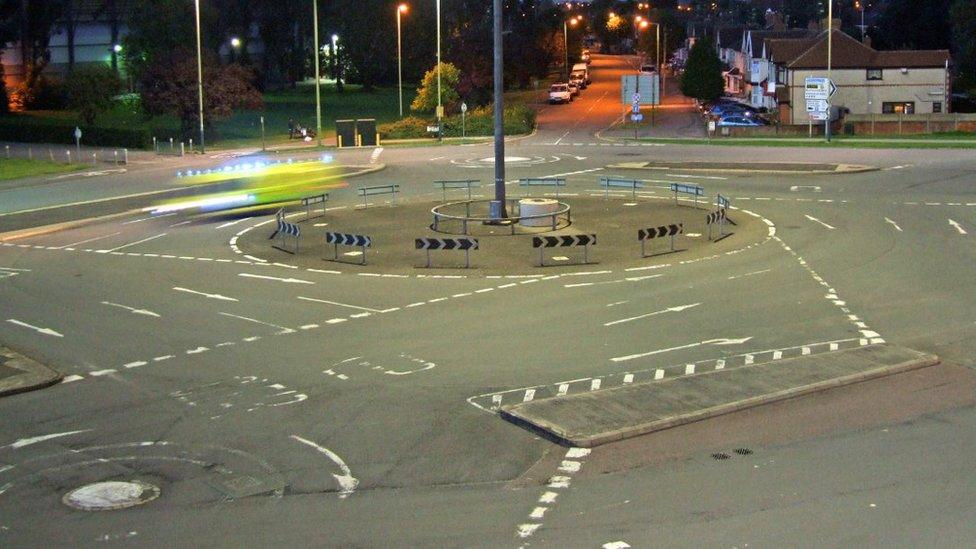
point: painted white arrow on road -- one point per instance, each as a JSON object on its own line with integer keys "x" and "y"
{"x": 572, "y": 156}
{"x": 145, "y": 312}
{"x": 814, "y": 219}
{"x": 676, "y": 309}
{"x": 45, "y": 331}
{"x": 688, "y": 346}
{"x": 288, "y": 280}
{"x": 958, "y": 227}
{"x": 211, "y": 296}
{"x": 347, "y": 482}
{"x": 893, "y": 224}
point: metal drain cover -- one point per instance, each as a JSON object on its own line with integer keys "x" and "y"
{"x": 107, "y": 496}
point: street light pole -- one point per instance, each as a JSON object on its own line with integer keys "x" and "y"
{"x": 440, "y": 109}
{"x": 318, "y": 80}
{"x": 199, "y": 75}
{"x": 400, "y": 9}
{"x": 497, "y": 208}
{"x": 566, "y": 47}
{"x": 830, "y": 44}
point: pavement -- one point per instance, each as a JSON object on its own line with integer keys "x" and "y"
{"x": 19, "y": 374}
{"x": 599, "y": 417}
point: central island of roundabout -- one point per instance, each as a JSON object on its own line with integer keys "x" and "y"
{"x": 542, "y": 235}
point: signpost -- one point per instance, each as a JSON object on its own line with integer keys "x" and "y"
{"x": 78, "y": 140}
{"x": 817, "y": 92}
{"x": 464, "y": 109}
{"x": 641, "y": 89}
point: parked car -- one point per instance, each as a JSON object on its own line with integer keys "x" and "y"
{"x": 559, "y": 93}
{"x": 581, "y": 67}
{"x": 742, "y": 121}
{"x": 578, "y": 78}
{"x": 574, "y": 88}
{"x": 723, "y": 110}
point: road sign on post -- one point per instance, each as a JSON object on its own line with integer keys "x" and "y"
{"x": 644, "y": 89}
{"x": 817, "y": 92}
{"x": 78, "y": 140}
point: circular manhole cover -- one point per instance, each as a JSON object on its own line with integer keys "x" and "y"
{"x": 107, "y": 496}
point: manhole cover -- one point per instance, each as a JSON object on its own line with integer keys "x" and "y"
{"x": 107, "y": 496}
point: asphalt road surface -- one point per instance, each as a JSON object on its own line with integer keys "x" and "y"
{"x": 324, "y": 406}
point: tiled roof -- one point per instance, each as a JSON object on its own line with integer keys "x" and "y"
{"x": 848, "y": 53}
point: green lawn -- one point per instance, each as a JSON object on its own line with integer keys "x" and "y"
{"x": 15, "y": 168}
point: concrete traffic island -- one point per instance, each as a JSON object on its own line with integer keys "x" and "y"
{"x": 392, "y": 231}
{"x": 19, "y": 374}
{"x": 598, "y": 417}
{"x": 784, "y": 168}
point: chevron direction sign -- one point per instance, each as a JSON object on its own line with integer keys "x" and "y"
{"x": 283, "y": 229}
{"x": 346, "y": 239}
{"x": 659, "y": 232}
{"x": 462, "y": 243}
{"x": 542, "y": 242}
{"x": 446, "y": 243}
{"x": 563, "y": 241}
{"x": 715, "y": 217}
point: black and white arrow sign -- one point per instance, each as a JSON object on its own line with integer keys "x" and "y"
{"x": 563, "y": 241}
{"x": 715, "y": 216}
{"x": 659, "y": 232}
{"x": 345, "y": 239}
{"x": 446, "y": 243}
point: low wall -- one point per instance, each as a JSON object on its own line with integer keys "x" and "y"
{"x": 888, "y": 124}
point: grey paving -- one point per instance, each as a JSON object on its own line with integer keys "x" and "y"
{"x": 598, "y": 417}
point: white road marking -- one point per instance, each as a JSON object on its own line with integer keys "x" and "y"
{"x": 34, "y": 440}
{"x": 675, "y": 309}
{"x": 616, "y": 545}
{"x": 45, "y": 331}
{"x": 680, "y": 347}
{"x": 548, "y": 497}
{"x": 558, "y": 481}
{"x": 754, "y": 273}
{"x": 145, "y": 312}
{"x": 210, "y": 296}
{"x": 275, "y": 278}
{"x": 595, "y": 384}
{"x": 336, "y": 303}
{"x": 957, "y": 226}
{"x": 689, "y": 369}
{"x": 88, "y": 240}
{"x": 814, "y": 219}
{"x": 526, "y": 530}
{"x": 893, "y": 224}
{"x": 563, "y": 389}
{"x": 284, "y": 330}
{"x": 346, "y": 481}
{"x": 538, "y": 512}
{"x": 132, "y": 243}
{"x": 628, "y": 378}
{"x": 529, "y": 395}
{"x": 69, "y": 379}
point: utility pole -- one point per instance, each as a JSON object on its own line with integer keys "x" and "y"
{"x": 203, "y": 149}
{"x": 318, "y": 79}
{"x": 830, "y": 44}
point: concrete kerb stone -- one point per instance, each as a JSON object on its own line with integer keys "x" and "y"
{"x": 551, "y": 430}
{"x": 34, "y": 374}
{"x": 745, "y": 168}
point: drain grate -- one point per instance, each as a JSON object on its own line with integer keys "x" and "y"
{"x": 720, "y": 456}
{"x": 743, "y": 451}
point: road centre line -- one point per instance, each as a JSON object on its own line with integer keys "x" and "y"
{"x": 87, "y": 240}
{"x": 814, "y": 219}
{"x": 675, "y": 309}
{"x": 284, "y": 330}
{"x": 337, "y": 304}
{"x": 275, "y": 278}
{"x": 132, "y": 243}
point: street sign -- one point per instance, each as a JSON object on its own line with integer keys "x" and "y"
{"x": 77, "y": 132}
{"x": 819, "y": 115}
{"x": 635, "y": 108}
{"x": 818, "y": 105}
{"x": 464, "y": 107}
{"x": 644, "y": 89}
{"x": 637, "y": 117}
{"x": 818, "y": 87}
{"x": 439, "y": 111}
{"x": 433, "y": 129}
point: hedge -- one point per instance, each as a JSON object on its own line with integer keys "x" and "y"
{"x": 518, "y": 119}
{"x": 24, "y": 130}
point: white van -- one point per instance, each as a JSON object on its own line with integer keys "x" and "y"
{"x": 585, "y": 70}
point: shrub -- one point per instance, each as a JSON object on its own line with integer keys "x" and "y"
{"x": 89, "y": 90}
{"x": 518, "y": 119}
{"x": 26, "y": 129}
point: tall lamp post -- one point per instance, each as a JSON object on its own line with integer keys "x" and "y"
{"x": 572, "y": 21}
{"x": 497, "y": 206}
{"x": 401, "y": 9}
{"x": 440, "y": 109}
{"x": 199, "y": 75}
{"x": 830, "y": 46}
{"x": 318, "y": 81}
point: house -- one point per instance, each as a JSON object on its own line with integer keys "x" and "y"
{"x": 868, "y": 81}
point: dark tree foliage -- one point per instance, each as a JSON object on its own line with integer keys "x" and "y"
{"x": 800, "y": 13}
{"x": 8, "y": 33}
{"x": 170, "y": 87}
{"x": 89, "y": 90}
{"x": 908, "y": 24}
{"x": 702, "y": 79}
{"x": 369, "y": 45}
{"x": 36, "y": 22}
{"x": 963, "y": 17}
{"x": 285, "y": 27}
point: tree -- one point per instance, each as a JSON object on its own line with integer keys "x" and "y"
{"x": 367, "y": 41}
{"x": 426, "y": 99}
{"x": 89, "y": 90}
{"x": 36, "y": 21}
{"x": 8, "y": 33}
{"x": 702, "y": 79}
{"x": 963, "y": 16}
{"x": 170, "y": 87}
{"x": 905, "y": 24}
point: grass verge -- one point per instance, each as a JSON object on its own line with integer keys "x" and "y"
{"x": 16, "y": 168}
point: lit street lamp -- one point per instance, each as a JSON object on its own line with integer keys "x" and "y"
{"x": 235, "y": 45}
{"x": 401, "y": 9}
{"x": 572, "y": 21}
{"x": 440, "y": 109}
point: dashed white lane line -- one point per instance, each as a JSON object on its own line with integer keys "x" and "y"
{"x": 957, "y": 226}
{"x": 893, "y": 224}
{"x": 569, "y": 466}
{"x": 815, "y": 220}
